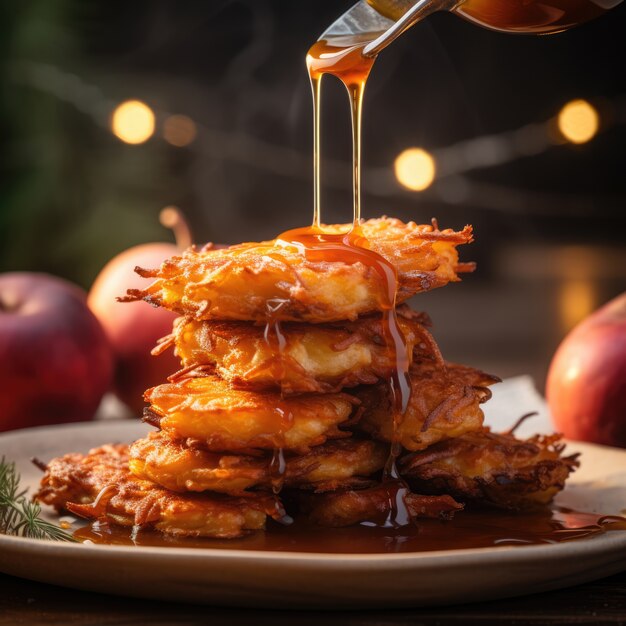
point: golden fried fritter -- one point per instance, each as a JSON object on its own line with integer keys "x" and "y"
{"x": 99, "y": 485}
{"x": 336, "y": 464}
{"x": 177, "y": 467}
{"x": 445, "y": 403}
{"x": 345, "y": 508}
{"x": 221, "y": 418}
{"x": 180, "y": 468}
{"x": 247, "y": 281}
{"x": 319, "y": 358}
{"x": 492, "y": 469}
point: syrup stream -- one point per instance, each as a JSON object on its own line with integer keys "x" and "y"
{"x": 344, "y": 59}
{"x": 316, "y": 89}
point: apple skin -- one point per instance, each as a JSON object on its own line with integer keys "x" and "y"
{"x": 133, "y": 328}
{"x": 586, "y": 386}
{"x": 55, "y": 359}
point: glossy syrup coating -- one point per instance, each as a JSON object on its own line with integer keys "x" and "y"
{"x": 320, "y": 358}
{"x": 338, "y": 283}
{"x": 225, "y": 419}
{"x": 328, "y": 467}
{"x": 444, "y": 404}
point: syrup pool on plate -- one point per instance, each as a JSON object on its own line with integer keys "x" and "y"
{"x": 469, "y": 529}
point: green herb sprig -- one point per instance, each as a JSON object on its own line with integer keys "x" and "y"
{"x": 18, "y": 515}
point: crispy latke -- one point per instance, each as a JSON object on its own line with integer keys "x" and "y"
{"x": 75, "y": 481}
{"x": 318, "y": 358}
{"x": 445, "y": 403}
{"x": 492, "y": 469}
{"x": 207, "y": 409}
{"x": 242, "y": 281}
{"x": 374, "y": 504}
{"x": 181, "y": 468}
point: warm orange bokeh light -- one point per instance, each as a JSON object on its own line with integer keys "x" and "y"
{"x": 133, "y": 122}
{"x": 415, "y": 169}
{"x": 578, "y": 121}
{"x": 179, "y": 130}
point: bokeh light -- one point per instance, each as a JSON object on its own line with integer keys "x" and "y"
{"x": 172, "y": 217}
{"x": 179, "y": 130}
{"x": 577, "y": 299}
{"x": 578, "y": 121}
{"x": 133, "y": 122}
{"x": 415, "y": 169}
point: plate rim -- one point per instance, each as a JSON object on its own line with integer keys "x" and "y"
{"x": 610, "y": 541}
{"x": 224, "y": 577}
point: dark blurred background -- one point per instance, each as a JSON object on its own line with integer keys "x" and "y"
{"x": 231, "y": 148}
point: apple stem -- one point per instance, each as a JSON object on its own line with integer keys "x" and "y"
{"x": 171, "y": 217}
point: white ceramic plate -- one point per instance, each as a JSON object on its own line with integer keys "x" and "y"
{"x": 305, "y": 580}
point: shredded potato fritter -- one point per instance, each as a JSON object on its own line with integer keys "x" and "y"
{"x": 493, "y": 469}
{"x": 318, "y": 358}
{"x": 239, "y": 282}
{"x": 181, "y": 468}
{"x": 99, "y": 486}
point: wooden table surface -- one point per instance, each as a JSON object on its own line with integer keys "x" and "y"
{"x": 25, "y": 602}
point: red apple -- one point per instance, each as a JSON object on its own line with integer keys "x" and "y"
{"x": 586, "y": 387}
{"x": 55, "y": 360}
{"x": 133, "y": 328}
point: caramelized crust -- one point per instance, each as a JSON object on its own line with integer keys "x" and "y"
{"x": 99, "y": 486}
{"x": 222, "y": 419}
{"x": 492, "y": 469}
{"x": 245, "y": 281}
{"x": 445, "y": 403}
{"x": 374, "y": 504}
{"x": 177, "y": 467}
{"x": 336, "y": 464}
{"x": 180, "y": 468}
{"x": 318, "y": 358}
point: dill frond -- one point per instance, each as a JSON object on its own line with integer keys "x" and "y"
{"x": 18, "y": 515}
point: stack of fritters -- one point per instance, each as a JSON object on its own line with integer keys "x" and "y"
{"x": 284, "y": 396}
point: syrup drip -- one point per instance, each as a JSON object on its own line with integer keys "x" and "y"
{"x": 316, "y": 245}
{"x": 316, "y": 89}
{"x": 98, "y": 508}
{"x": 343, "y": 57}
{"x": 277, "y": 470}
{"x": 472, "y": 529}
{"x": 276, "y": 341}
